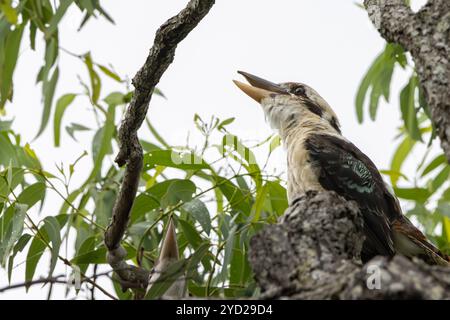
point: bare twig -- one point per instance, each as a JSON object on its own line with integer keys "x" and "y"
{"x": 160, "y": 57}
{"x": 426, "y": 35}
{"x": 60, "y": 279}
{"x": 51, "y": 280}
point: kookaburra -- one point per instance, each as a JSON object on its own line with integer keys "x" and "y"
{"x": 320, "y": 158}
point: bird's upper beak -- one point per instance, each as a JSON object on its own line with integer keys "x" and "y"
{"x": 258, "y": 88}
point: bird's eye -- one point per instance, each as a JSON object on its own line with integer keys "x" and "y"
{"x": 298, "y": 91}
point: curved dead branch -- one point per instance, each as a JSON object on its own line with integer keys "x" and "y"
{"x": 160, "y": 57}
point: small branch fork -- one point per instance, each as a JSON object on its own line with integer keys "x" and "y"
{"x": 426, "y": 35}
{"x": 161, "y": 55}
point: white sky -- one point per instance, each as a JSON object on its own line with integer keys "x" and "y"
{"x": 327, "y": 44}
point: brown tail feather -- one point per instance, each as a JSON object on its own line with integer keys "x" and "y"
{"x": 410, "y": 241}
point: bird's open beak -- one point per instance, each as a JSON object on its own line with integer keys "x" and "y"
{"x": 258, "y": 88}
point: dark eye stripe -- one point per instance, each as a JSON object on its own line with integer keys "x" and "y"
{"x": 314, "y": 108}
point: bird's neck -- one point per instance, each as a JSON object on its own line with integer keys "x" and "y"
{"x": 297, "y": 131}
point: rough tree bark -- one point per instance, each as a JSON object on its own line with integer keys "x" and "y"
{"x": 426, "y": 35}
{"x": 313, "y": 253}
{"x": 161, "y": 55}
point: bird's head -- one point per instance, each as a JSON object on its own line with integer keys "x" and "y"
{"x": 289, "y": 104}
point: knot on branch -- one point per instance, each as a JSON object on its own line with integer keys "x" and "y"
{"x": 115, "y": 256}
{"x": 313, "y": 253}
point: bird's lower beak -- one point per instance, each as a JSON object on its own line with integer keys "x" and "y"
{"x": 258, "y": 88}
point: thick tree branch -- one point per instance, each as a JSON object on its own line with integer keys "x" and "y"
{"x": 313, "y": 253}
{"x": 426, "y": 35}
{"x": 160, "y": 57}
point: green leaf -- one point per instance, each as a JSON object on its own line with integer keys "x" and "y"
{"x": 95, "y": 79}
{"x": 173, "y": 159}
{"x": 194, "y": 260}
{"x": 441, "y": 178}
{"x": 38, "y": 246}
{"x": 408, "y": 108}
{"x": 446, "y": 195}
{"x": 9, "y": 12}
{"x": 48, "y": 91}
{"x": 115, "y": 99}
{"x": 178, "y": 190}
{"x": 378, "y": 78}
{"x": 277, "y": 197}
{"x": 394, "y": 174}
{"x": 239, "y": 201}
{"x": 86, "y": 246}
{"x": 97, "y": 256}
{"x": 198, "y": 210}
{"x": 105, "y": 143}
{"x": 56, "y": 18}
{"x": 109, "y": 73}
{"x": 240, "y": 270}
{"x": 225, "y": 123}
{"x": 375, "y": 95}
{"x": 191, "y": 234}
{"x": 261, "y": 196}
{"x": 436, "y": 162}
{"x": 61, "y": 106}
{"x": 104, "y": 202}
{"x": 246, "y": 156}
{"x": 73, "y": 127}
{"x": 142, "y": 204}
{"x": 15, "y": 231}
{"x": 365, "y": 84}
{"x": 11, "y": 53}
{"x": 275, "y": 142}
{"x": 416, "y": 194}
{"x": 446, "y": 227}
{"x": 444, "y": 208}
{"x": 35, "y": 252}
{"x": 228, "y": 252}
{"x": 51, "y": 53}
{"x": 6, "y": 185}
{"x": 127, "y": 295}
{"x": 5, "y": 125}
{"x": 159, "y": 93}
{"x": 400, "y": 155}
{"x": 32, "y": 194}
{"x": 33, "y": 29}
{"x": 18, "y": 247}
{"x": 385, "y": 79}
{"x": 52, "y": 227}
{"x": 151, "y": 198}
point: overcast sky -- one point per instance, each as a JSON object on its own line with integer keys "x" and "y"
{"x": 326, "y": 44}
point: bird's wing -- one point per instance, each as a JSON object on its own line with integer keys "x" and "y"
{"x": 349, "y": 172}
{"x": 429, "y": 253}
